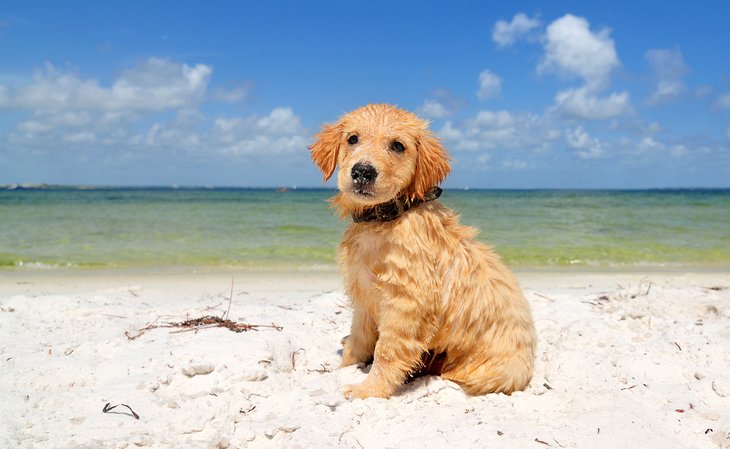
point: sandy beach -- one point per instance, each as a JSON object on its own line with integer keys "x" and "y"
{"x": 625, "y": 360}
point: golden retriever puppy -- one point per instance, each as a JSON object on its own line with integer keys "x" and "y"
{"x": 426, "y": 296}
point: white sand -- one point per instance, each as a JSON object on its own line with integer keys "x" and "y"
{"x": 621, "y": 363}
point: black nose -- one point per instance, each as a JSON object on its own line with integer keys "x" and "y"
{"x": 363, "y": 173}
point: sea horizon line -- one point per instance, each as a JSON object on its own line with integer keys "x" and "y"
{"x": 283, "y": 188}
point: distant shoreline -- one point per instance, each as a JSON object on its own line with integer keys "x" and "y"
{"x": 284, "y": 189}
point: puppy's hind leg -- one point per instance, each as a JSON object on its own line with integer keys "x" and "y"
{"x": 499, "y": 374}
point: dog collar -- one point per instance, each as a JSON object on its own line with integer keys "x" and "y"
{"x": 394, "y": 208}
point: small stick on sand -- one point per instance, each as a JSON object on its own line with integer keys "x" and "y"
{"x": 205, "y": 322}
{"x": 230, "y": 300}
{"x": 107, "y": 408}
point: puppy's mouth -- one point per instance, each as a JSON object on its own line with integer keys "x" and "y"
{"x": 365, "y": 194}
{"x": 363, "y": 190}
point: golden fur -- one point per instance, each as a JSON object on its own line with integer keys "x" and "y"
{"x": 425, "y": 294}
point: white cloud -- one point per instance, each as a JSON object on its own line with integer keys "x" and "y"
{"x": 584, "y": 104}
{"x": 456, "y": 138}
{"x": 490, "y": 85}
{"x": 280, "y": 132}
{"x": 493, "y": 119}
{"x": 433, "y": 109}
{"x": 449, "y": 132}
{"x": 150, "y": 113}
{"x": 471, "y": 145}
{"x": 153, "y": 85}
{"x": 669, "y": 68}
{"x": 584, "y": 145}
{"x": 573, "y": 50}
{"x": 279, "y": 121}
{"x": 49, "y": 121}
{"x": 440, "y": 103}
{"x": 496, "y": 130}
{"x": 648, "y": 144}
{"x": 505, "y": 33}
{"x": 266, "y": 146}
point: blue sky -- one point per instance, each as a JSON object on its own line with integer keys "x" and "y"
{"x": 562, "y": 94}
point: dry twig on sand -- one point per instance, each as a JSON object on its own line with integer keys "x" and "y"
{"x": 207, "y": 321}
{"x": 204, "y": 322}
{"x": 108, "y": 408}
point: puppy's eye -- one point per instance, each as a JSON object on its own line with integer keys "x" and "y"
{"x": 352, "y": 140}
{"x": 397, "y": 147}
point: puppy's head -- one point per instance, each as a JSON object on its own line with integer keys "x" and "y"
{"x": 382, "y": 152}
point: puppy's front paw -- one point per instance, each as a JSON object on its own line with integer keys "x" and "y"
{"x": 364, "y": 390}
{"x": 348, "y": 359}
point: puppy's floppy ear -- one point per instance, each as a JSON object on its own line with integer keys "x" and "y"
{"x": 432, "y": 165}
{"x": 326, "y": 149}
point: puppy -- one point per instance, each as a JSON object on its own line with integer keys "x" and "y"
{"x": 426, "y": 295}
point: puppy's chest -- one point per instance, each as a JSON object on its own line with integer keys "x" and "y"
{"x": 365, "y": 255}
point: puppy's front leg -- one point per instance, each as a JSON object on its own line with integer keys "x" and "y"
{"x": 360, "y": 344}
{"x": 402, "y": 340}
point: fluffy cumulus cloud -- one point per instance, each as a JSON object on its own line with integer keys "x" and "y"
{"x": 506, "y": 33}
{"x": 587, "y": 121}
{"x": 153, "y": 85}
{"x": 441, "y": 103}
{"x": 152, "y": 106}
{"x": 490, "y": 85}
{"x": 585, "y": 146}
{"x": 280, "y": 132}
{"x": 489, "y": 131}
{"x": 669, "y": 68}
{"x": 648, "y": 145}
{"x": 573, "y": 50}
{"x": 583, "y": 103}
{"x": 494, "y": 120}
{"x": 433, "y": 108}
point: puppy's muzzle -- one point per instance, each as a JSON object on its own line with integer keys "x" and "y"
{"x": 363, "y": 176}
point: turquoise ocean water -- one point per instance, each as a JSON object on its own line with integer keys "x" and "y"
{"x": 250, "y": 228}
